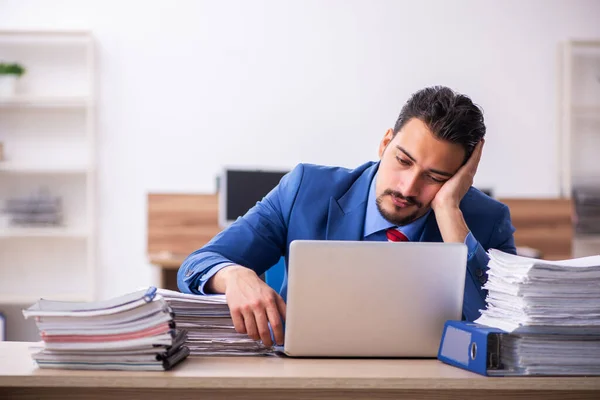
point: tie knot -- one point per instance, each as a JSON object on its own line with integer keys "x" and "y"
{"x": 395, "y": 235}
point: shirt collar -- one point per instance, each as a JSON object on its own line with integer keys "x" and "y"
{"x": 374, "y": 221}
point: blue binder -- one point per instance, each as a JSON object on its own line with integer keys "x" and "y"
{"x": 471, "y": 346}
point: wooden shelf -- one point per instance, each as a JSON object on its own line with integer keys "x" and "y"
{"x": 42, "y": 232}
{"x": 45, "y": 102}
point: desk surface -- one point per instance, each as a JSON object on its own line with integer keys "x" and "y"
{"x": 17, "y": 369}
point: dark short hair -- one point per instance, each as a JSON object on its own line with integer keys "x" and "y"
{"x": 449, "y": 115}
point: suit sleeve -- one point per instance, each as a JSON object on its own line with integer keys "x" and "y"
{"x": 256, "y": 241}
{"x": 501, "y": 238}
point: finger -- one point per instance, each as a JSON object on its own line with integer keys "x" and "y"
{"x": 281, "y": 306}
{"x": 238, "y": 321}
{"x": 475, "y": 157}
{"x": 479, "y": 153}
{"x": 250, "y": 323}
{"x": 275, "y": 321}
{"x": 263, "y": 327}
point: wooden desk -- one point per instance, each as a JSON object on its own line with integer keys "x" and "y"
{"x": 178, "y": 224}
{"x": 278, "y": 378}
{"x": 168, "y": 265}
{"x": 543, "y": 224}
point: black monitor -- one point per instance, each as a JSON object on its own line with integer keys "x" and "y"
{"x": 240, "y": 189}
{"x": 488, "y": 191}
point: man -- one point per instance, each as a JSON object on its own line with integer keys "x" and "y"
{"x": 421, "y": 188}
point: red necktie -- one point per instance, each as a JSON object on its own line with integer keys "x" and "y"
{"x": 395, "y": 235}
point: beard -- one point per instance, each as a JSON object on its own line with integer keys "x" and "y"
{"x": 394, "y": 218}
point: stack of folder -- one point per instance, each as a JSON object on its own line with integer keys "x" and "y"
{"x": 135, "y": 331}
{"x": 542, "y": 318}
{"x": 210, "y": 329}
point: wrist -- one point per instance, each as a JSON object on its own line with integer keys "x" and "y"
{"x": 218, "y": 283}
{"x": 451, "y": 224}
{"x": 445, "y": 203}
{"x": 447, "y": 208}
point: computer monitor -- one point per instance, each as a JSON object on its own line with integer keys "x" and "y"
{"x": 241, "y": 188}
{"x": 488, "y": 191}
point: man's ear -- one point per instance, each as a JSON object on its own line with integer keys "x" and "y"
{"x": 387, "y": 138}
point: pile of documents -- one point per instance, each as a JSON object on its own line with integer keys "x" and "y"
{"x": 135, "y": 331}
{"x": 210, "y": 330}
{"x": 551, "y": 310}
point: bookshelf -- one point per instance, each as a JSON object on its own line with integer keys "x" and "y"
{"x": 47, "y": 132}
{"x": 579, "y": 139}
{"x": 579, "y": 113}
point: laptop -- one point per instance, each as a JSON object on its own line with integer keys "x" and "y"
{"x": 371, "y": 299}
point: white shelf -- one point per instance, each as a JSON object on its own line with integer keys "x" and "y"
{"x": 42, "y": 232}
{"x": 27, "y": 300}
{"x": 46, "y": 37}
{"x": 45, "y": 102}
{"x": 18, "y": 168}
{"x": 42, "y": 32}
{"x": 49, "y": 140}
{"x": 578, "y": 111}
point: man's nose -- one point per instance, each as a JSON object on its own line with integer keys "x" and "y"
{"x": 410, "y": 186}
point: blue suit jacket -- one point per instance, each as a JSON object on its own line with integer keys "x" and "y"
{"x": 329, "y": 203}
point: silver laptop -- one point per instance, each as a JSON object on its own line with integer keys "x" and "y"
{"x": 371, "y": 299}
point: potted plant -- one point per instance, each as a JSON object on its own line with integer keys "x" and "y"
{"x": 9, "y": 73}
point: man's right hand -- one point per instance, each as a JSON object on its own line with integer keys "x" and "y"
{"x": 253, "y": 304}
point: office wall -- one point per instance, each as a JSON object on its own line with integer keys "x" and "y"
{"x": 188, "y": 86}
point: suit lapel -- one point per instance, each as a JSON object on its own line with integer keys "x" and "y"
{"x": 431, "y": 232}
{"x": 346, "y": 216}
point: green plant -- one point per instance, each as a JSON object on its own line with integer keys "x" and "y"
{"x": 11, "y": 69}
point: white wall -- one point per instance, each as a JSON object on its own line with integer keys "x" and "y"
{"x": 188, "y": 86}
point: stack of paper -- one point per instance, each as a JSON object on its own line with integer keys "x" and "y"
{"x": 209, "y": 325}
{"x": 135, "y": 331}
{"x": 551, "y": 354}
{"x": 552, "y": 309}
{"x": 526, "y": 293}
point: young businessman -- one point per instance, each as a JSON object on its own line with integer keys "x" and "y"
{"x": 421, "y": 186}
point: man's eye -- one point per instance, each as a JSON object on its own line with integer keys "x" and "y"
{"x": 437, "y": 180}
{"x": 402, "y": 161}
